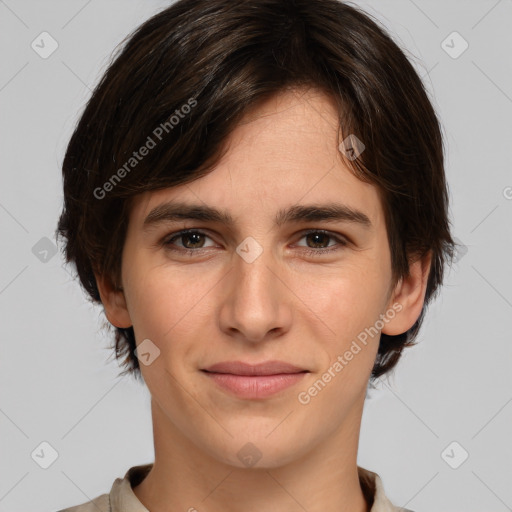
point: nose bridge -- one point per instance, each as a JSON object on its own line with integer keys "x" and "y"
{"x": 253, "y": 285}
{"x": 255, "y": 304}
{"x": 252, "y": 272}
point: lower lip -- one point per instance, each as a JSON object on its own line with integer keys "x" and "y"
{"x": 254, "y": 387}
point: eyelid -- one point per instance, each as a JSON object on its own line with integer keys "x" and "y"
{"x": 337, "y": 236}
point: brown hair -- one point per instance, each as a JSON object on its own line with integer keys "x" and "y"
{"x": 181, "y": 82}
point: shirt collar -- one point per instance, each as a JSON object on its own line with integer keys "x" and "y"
{"x": 123, "y": 499}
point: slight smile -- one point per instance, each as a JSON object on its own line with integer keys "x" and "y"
{"x": 254, "y": 381}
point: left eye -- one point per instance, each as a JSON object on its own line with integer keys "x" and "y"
{"x": 320, "y": 237}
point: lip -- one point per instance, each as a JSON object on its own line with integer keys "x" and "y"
{"x": 256, "y": 381}
{"x": 265, "y": 368}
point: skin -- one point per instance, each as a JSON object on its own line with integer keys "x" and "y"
{"x": 287, "y": 305}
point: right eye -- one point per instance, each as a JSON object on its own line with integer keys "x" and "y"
{"x": 192, "y": 240}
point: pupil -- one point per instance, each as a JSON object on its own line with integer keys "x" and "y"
{"x": 318, "y": 235}
{"x": 190, "y": 236}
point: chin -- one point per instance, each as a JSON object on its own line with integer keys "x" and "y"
{"x": 261, "y": 451}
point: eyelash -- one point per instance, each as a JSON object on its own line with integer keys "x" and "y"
{"x": 167, "y": 242}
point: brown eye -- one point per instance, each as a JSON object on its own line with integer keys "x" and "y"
{"x": 318, "y": 239}
{"x": 190, "y": 240}
{"x": 318, "y": 242}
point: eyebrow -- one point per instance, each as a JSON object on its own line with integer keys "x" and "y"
{"x": 330, "y": 212}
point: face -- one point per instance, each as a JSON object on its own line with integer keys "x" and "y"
{"x": 301, "y": 290}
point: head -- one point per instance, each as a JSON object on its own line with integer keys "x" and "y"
{"x": 245, "y": 116}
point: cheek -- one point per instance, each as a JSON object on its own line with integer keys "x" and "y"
{"x": 165, "y": 304}
{"x": 346, "y": 299}
{"x": 349, "y": 304}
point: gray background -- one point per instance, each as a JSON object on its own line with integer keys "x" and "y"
{"x": 58, "y": 382}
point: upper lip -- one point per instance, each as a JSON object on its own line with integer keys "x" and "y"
{"x": 265, "y": 368}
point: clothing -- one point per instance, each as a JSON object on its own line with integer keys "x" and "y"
{"x": 122, "y": 498}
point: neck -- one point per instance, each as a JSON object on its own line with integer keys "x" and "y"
{"x": 186, "y": 477}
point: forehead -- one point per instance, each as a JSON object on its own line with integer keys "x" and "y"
{"x": 283, "y": 152}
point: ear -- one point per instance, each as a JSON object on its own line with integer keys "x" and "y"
{"x": 114, "y": 302}
{"x": 409, "y": 292}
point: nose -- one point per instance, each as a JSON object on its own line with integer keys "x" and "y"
{"x": 257, "y": 304}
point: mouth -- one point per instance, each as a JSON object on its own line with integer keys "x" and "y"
{"x": 254, "y": 381}
{"x": 260, "y": 369}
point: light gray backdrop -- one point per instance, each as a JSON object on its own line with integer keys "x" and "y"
{"x": 451, "y": 396}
